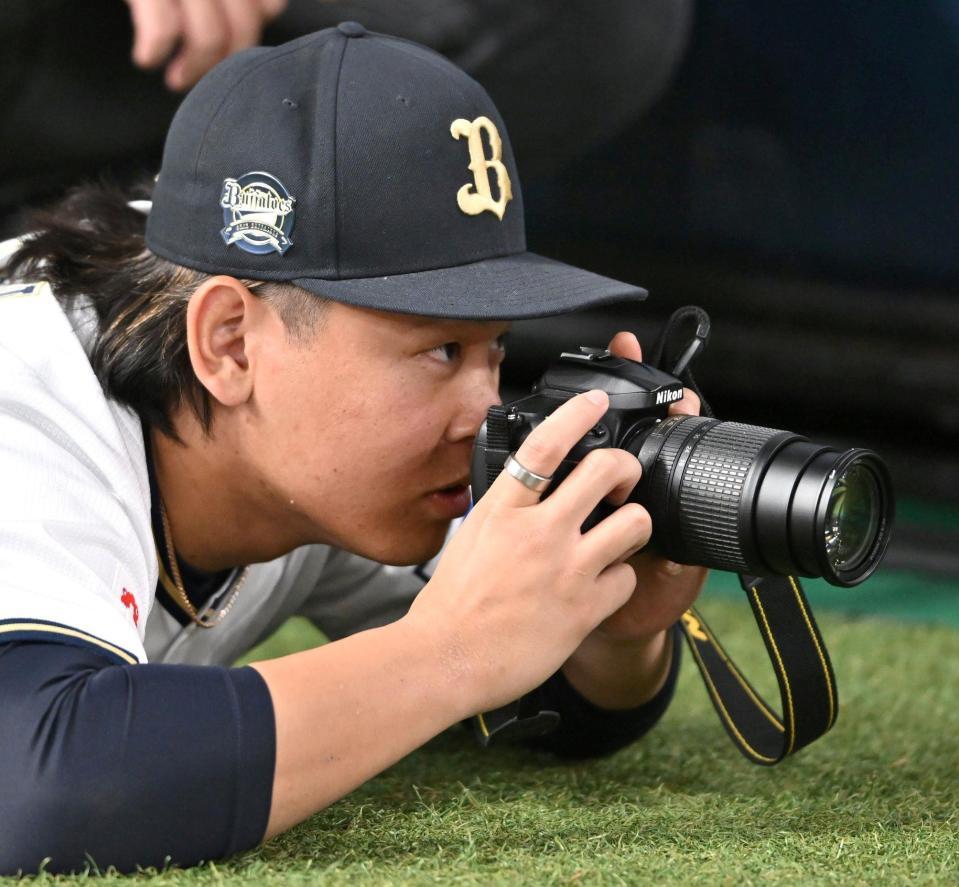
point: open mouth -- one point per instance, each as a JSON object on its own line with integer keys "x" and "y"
{"x": 453, "y": 500}
{"x": 456, "y": 486}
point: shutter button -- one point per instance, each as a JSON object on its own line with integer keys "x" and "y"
{"x": 351, "y": 29}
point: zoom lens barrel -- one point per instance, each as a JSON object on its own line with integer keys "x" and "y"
{"x": 763, "y": 501}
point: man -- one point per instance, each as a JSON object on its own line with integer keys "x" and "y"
{"x": 251, "y": 411}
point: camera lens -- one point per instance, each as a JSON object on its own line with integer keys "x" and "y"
{"x": 762, "y": 501}
{"x": 852, "y": 517}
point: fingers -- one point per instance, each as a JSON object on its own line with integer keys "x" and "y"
{"x": 156, "y": 29}
{"x": 615, "y": 586}
{"x": 619, "y": 536}
{"x": 244, "y": 20}
{"x": 206, "y": 38}
{"x": 547, "y": 446}
{"x": 606, "y": 473}
{"x": 651, "y": 569}
{"x": 207, "y": 30}
{"x": 679, "y": 584}
{"x": 626, "y": 345}
{"x": 688, "y": 406}
{"x": 270, "y": 9}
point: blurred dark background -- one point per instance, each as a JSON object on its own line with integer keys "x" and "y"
{"x": 789, "y": 167}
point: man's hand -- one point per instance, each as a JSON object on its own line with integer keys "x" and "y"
{"x": 624, "y": 662}
{"x": 191, "y": 36}
{"x": 506, "y": 612}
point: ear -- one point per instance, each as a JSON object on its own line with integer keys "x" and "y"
{"x": 221, "y": 322}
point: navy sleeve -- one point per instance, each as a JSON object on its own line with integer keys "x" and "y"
{"x": 585, "y": 730}
{"x": 128, "y": 765}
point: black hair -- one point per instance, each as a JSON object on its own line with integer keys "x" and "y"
{"x": 90, "y": 248}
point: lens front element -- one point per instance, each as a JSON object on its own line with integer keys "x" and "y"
{"x": 762, "y": 501}
{"x": 852, "y": 517}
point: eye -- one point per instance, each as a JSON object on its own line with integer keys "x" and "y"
{"x": 499, "y": 343}
{"x": 447, "y": 352}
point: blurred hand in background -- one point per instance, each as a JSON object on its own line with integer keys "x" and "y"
{"x": 190, "y": 36}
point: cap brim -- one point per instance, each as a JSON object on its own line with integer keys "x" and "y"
{"x": 505, "y": 288}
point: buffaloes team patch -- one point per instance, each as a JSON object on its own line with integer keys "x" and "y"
{"x": 257, "y": 213}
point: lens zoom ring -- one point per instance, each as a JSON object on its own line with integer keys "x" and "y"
{"x": 711, "y": 490}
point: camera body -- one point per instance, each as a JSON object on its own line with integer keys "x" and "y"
{"x": 639, "y": 399}
{"x": 727, "y": 495}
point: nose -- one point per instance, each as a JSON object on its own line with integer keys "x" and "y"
{"x": 476, "y": 397}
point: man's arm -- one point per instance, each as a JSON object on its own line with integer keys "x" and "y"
{"x": 348, "y": 710}
{"x": 619, "y": 666}
{"x": 619, "y": 674}
{"x": 587, "y": 730}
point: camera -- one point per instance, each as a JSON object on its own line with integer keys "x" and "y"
{"x": 726, "y": 495}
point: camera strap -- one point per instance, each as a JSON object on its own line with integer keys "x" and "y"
{"x": 800, "y": 660}
{"x": 807, "y": 685}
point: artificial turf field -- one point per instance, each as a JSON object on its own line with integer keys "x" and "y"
{"x": 875, "y": 801}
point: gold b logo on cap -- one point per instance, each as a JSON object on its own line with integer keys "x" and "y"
{"x": 477, "y": 197}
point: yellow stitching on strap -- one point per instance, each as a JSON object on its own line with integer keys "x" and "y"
{"x": 483, "y": 728}
{"x": 782, "y": 671}
{"x": 771, "y": 716}
{"x": 822, "y": 658}
{"x": 68, "y": 632}
{"x": 726, "y": 716}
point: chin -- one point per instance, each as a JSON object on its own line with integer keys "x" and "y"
{"x": 409, "y": 550}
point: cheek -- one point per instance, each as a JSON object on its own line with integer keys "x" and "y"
{"x": 374, "y": 433}
{"x": 404, "y": 406}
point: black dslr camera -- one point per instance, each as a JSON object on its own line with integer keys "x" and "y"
{"x": 725, "y": 495}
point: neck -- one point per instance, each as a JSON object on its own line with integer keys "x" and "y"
{"x": 221, "y": 515}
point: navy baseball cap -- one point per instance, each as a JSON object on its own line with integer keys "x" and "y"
{"x": 364, "y": 168}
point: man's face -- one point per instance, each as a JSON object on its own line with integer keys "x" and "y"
{"x": 366, "y": 430}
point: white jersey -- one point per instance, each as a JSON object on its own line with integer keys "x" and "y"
{"x": 77, "y": 554}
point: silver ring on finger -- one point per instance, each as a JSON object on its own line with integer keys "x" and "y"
{"x": 529, "y": 479}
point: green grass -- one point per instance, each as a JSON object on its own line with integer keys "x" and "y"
{"x": 876, "y": 800}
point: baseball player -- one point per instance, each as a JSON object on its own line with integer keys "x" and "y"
{"x": 256, "y": 397}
